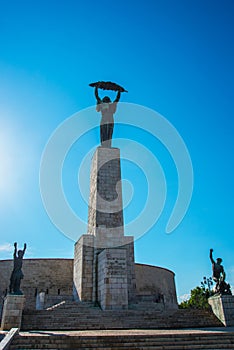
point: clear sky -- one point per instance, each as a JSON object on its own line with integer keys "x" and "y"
{"x": 174, "y": 57}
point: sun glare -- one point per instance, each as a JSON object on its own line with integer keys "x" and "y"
{"x": 16, "y": 161}
{"x": 6, "y": 165}
{"x": 12, "y": 162}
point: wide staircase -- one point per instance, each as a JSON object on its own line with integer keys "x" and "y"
{"x": 120, "y": 340}
{"x": 69, "y": 315}
{"x": 71, "y": 325}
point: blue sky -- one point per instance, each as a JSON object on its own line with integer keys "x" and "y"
{"x": 175, "y": 57}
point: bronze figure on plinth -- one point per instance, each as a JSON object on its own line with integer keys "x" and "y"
{"x": 107, "y": 109}
{"x": 17, "y": 274}
{"x": 219, "y": 276}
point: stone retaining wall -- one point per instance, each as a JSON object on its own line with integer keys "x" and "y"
{"x": 52, "y": 276}
{"x": 55, "y": 278}
{"x": 157, "y": 282}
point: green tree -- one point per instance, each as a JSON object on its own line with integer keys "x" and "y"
{"x": 207, "y": 282}
{"x": 198, "y": 298}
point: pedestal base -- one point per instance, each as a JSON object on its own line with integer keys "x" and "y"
{"x": 83, "y": 268}
{"x": 112, "y": 279}
{"x": 12, "y": 311}
{"x": 223, "y": 308}
{"x": 94, "y": 266}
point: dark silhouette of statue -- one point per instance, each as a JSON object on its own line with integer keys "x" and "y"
{"x": 219, "y": 276}
{"x": 107, "y": 109}
{"x": 17, "y": 274}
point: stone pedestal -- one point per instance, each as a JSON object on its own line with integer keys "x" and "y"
{"x": 112, "y": 279}
{"x": 83, "y": 268}
{"x": 12, "y": 311}
{"x": 105, "y": 243}
{"x": 223, "y": 308}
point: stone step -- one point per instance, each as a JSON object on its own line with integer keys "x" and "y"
{"x": 84, "y": 306}
{"x": 80, "y": 316}
{"x": 145, "y": 340}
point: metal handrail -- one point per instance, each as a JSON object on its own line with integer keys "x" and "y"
{"x": 6, "y": 341}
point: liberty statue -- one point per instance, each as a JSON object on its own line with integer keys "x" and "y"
{"x": 107, "y": 109}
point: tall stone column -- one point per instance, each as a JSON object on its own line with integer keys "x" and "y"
{"x": 111, "y": 254}
{"x": 105, "y": 219}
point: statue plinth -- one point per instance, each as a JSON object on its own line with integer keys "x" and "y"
{"x": 223, "y": 308}
{"x": 12, "y": 311}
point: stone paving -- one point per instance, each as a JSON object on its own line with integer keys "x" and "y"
{"x": 143, "y": 332}
{"x": 186, "y": 339}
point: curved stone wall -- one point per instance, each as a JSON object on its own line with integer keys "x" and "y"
{"x": 55, "y": 278}
{"x": 158, "y": 282}
{"x": 52, "y": 276}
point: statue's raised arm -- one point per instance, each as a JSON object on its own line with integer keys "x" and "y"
{"x": 25, "y": 246}
{"x": 15, "y": 250}
{"x": 211, "y": 256}
{"x": 117, "y": 96}
{"x": 97, "y": 95}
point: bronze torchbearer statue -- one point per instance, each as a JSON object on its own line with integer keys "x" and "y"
{"x": 107, "y": 109}
{"x": 17, "y": 273}
{"x": 219, "y": 276}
